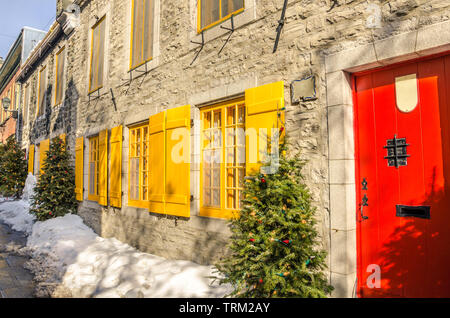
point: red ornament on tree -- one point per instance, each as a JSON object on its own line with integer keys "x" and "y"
{"x": 263, "y": 180}
{"x": 260, "y": 280}
{"x": 287, "y": 241}
{"x": 252, "y": 240}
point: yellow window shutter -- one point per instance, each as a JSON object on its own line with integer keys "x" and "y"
{"x": 79, "y": 153}
{"x": 177, "y": 187}
{"x": 157, "y": 159}
{"x": 43, "y": 148}
{"x": 265, "y": 111}
{"x": 103, "y": 168}
{"x": 115, "y": 182}
{"x": 31, "y": 159}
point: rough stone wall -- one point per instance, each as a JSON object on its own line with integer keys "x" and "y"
{"x": 313, "y": 29}
{"x": 61, "y": 5}
{"x": 57, "y": 119}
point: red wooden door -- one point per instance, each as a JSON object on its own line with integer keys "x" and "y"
{"x": 404, "y": 224}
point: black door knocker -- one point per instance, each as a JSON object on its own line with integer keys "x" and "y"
{"x": 397, "y": 155}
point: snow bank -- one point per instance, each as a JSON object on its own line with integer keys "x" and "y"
{"x": 63, "y": 238}
{"x": 69, "y": 256}
{"x": 15, "y": 214}
{"x": 99, "y": 267}
{"x": 109, "y": 268}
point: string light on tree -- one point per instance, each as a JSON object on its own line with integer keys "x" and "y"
{"x": 276, "y": 217}
{"x": 55, "y": 190}
{"x": 13, "y": 169}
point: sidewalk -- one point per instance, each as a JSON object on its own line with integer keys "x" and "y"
{"x": 15, "y": 281}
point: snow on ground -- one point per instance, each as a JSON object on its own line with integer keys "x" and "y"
{"x": 68, "y": 253}
{"x": 62, "y": 237}
{"x": 15, "y": 214}
{"x": 109, "y": 268}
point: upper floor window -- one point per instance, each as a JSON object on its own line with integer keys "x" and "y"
{"x": 142, "y": 32}
{"x": 212, "y": 12}
{"x": 11, "y": 98}
{"x": 97, "y": 56}
{"x": 59, "y": 77}
{"x": 15, "y": 105}
{"x": 25, "y": 103}
{"x": 42, "y": 85}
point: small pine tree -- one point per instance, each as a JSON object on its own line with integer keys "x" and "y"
{"x": 54, "y": 194}
{"x": 274, "y": 247}
{"x": 13, "y": 169}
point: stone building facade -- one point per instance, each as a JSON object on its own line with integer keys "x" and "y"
{"x": 328, "y": 40}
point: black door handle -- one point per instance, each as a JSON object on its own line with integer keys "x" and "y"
{"x": 363, "y": 204}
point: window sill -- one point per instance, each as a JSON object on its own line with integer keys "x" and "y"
{"x": 95, "y": 91}
{"x": 138, "y": 204}
{"x": 218, "y": 22}
{"x": 217, "y": 213}
{"x": 89, "y": 204}
{"x": 56, "y": 106}
{"x": 214, "y": 31}
{"x": 143, "y": 69}
{"x": 92, "y": 198}
{"x": 132, "y": 68}
{"x": 40, "y": 117}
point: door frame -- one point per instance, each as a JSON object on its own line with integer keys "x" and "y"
{"x": 341, "y": 68}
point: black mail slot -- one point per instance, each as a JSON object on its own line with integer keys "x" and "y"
{"x": 422, "y": 212}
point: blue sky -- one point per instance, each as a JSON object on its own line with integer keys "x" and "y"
{"x": 15, "y": 14}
